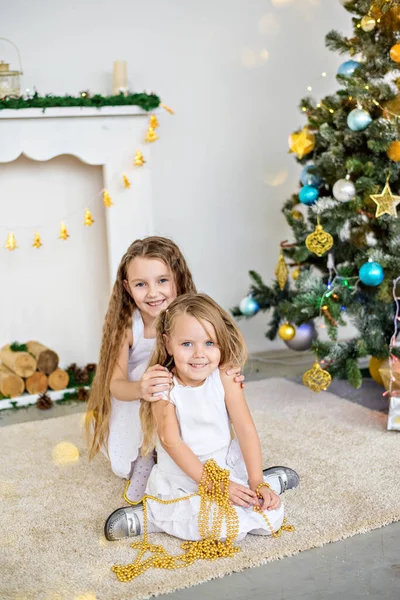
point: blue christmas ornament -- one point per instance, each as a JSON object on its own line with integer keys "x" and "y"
{"x": 248, "y": 306}
{"x": 308, "y": 178}
{"x": 347, "y": 68}
{"x": 358, "y": 120}
{"x": 308, "y": 195}
{"x": 371, "y": 273}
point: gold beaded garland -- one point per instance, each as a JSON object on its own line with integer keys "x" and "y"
{"x": 213, "y": 490}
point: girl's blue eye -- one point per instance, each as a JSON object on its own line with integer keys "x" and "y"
{"x": 186, "y": 344}
{"x": 163, "y": 280}
{"x": 139, "y": 284}
{"x": 209, "y": 343}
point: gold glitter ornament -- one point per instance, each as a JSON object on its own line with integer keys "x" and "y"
{"x": 317, "y": 379}
{"x": 368, "y": 23}
{"x": 302, "y": 142}
{"x": 126, "y": 181}
{"x": 88, "y": 219}
{"x": 281, "y": 272}
{"x": 107, "y": 199}
{"x": 386, "y": 202}
{"x": 395, "y": 53}
{"x": 215, "y": 511}
{"x": 11, "y": 242}
{"x": 151, "y": 135}
{"x": 138, "y": 161}
{"x": 37, "y": 242}
{"x": 296, "y": 214}
{"x": 295, "y": 274}
{"x": 64, "y": 235}
{"x": 320, "y": 241}
{"x": 286, "y": 332}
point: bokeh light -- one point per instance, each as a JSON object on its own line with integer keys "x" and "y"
{"x": 268, "y": 24}
{"x": 275, "y": 179}
{"x": 65, "y": 453}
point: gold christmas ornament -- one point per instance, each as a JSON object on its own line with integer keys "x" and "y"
{"x": 393, "y": 151}
{"x": 88, "y": 220}
{"x": 107, "y": 199}
{"x": 138, "y": 160}
{"x": 317, "y": 379}
{"x": 320, "y": 241}
{"x": 373, "y": 367}
{"x": 281, "y": 272}
{"x": 37, "y": 242}
{"x": 11, "y": 242}
{"x": 286, "y": 332}
{"x": 395, "y": 53}
{"x": 154, "y": 122}
{"x": 386, "y": 202}
{"x": 368, "y": 23}
{"x": 296, "y": 214}
{"x": 302, "y": 142}
{"x": 391, "y": 108}
{"x": 126, "y": 181}
{"x": 64, "y": 235}
{"x": 151, "y": 135}
{"x": 295, "y": 274}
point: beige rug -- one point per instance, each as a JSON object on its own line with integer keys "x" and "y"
{"x": 52, "y": 513}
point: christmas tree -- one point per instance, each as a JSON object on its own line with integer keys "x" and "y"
{"x": 345, "y": 252}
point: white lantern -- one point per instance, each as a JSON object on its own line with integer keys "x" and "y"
{"x": 9, "y": 80}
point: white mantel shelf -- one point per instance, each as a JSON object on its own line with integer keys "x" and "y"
{"x": 108, "y": 137}
{"x": 73, "y": 111}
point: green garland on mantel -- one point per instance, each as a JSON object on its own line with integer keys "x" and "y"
{"x": 146, "y": 101}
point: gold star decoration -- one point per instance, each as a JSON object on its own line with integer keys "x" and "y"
{"x": 386, "y": 202}
{"x": 302, "y": 142}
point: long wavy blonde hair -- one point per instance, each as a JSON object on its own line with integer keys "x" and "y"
{"x": 229, "y": 340}
{"x": 118, "y": 318}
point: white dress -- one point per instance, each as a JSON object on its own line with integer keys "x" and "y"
{"x": 125, "y": 435}
{"x": 204, "y": 426}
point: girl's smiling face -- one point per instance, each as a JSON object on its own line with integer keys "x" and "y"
{"x": 193, "y": 344}
{"x": 151, "y": 284}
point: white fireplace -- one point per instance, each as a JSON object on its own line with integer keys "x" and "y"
{"x": 54, "y": 165}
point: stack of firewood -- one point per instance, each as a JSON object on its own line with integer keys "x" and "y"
{"x": 32, "y": 367}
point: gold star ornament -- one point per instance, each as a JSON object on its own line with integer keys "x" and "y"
{"x": 386, "y": 202}
{"x": 302, "y": 142}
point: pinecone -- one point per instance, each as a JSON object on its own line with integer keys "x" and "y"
{"x": 82, "y": 375}
{"x": 91, "y": 367}
{"x": 83, "y": 394}
{"x": 72, "y": 368}
{"x": 44, "y": 402}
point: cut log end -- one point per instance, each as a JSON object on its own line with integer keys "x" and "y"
{"x": 21, "y": 363}
{"x": 11, "y": 385}
{"x": 58, "y": 380}
{"x": 47, "y": 360}
{"x": 37, "y": 383}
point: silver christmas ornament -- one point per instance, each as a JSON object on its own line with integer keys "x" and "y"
{"x": 344, "y": 190}
{"x": 305, "y": 335}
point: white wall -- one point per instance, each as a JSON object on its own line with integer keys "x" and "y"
{"x": 234, "y": 110}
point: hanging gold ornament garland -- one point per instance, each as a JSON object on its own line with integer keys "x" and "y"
{"x": 88, "y": 220}
{"x": 139, "y": 159}
{"x": 64, "y": 235}
{"x": 126, "y": 181}
{"x": 11, "y": 242}
{"x": 316, "y": 378}
{"x": 281, "y": 272}
{"x": 107, "y": 199}
{"x": 151, "y": 135}
{"x": 37, "y": 242}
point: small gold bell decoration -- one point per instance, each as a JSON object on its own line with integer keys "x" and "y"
{"x": 281, "y": 272}
{"x": 367, "y": 23}
{"x": 302, "y": 142}
{"x": 138, "y": 160}
{"x": 126, "y": 181}
{"x": 37, "y": 242}
{"x": 393, "y": 151}
{"x": 107, "y": 199}
{"x": 64, "y": 235}
{"x": 151, "y": 135}
{"x": 11, "y": 242}
{"x": 296, "y": 214}
{"x": 319, "y": 241}
{"x": 395, "y": 53}
{"x": 286, "y": 332}
{"x": 154, "y": 122}
{"x": 317, "y": 379}
{"x": 88, "y": 220}
{"x": 296, "y": 273}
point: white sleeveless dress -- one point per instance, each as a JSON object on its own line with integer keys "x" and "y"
{"x": 204, "y": 426}
{"x": 125, "y": 435}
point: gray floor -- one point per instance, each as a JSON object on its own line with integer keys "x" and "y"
{"x": 364, "y": 566}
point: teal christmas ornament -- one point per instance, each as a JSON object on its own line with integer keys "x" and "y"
{"x": 248, "y": 306}
{"x": 358, "y": 120}
{"x": 371, "y": 273}
{"x": 347, "y": 68}
{"x": 310, "y": 178}
{"x": 308, "y": 195}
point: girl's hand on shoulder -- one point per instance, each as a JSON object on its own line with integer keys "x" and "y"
{"x": 240, "y": 495}
{"x": 154, "y": 381}
{"x": 270, "y": 500}
{"x": 235, "y": 371}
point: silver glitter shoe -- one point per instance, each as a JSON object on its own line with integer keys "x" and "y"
{"x": 122, "y": 523}
{"x": 288, "y": 478}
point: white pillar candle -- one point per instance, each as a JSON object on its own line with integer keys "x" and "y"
{"x": 119, "y": 80}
